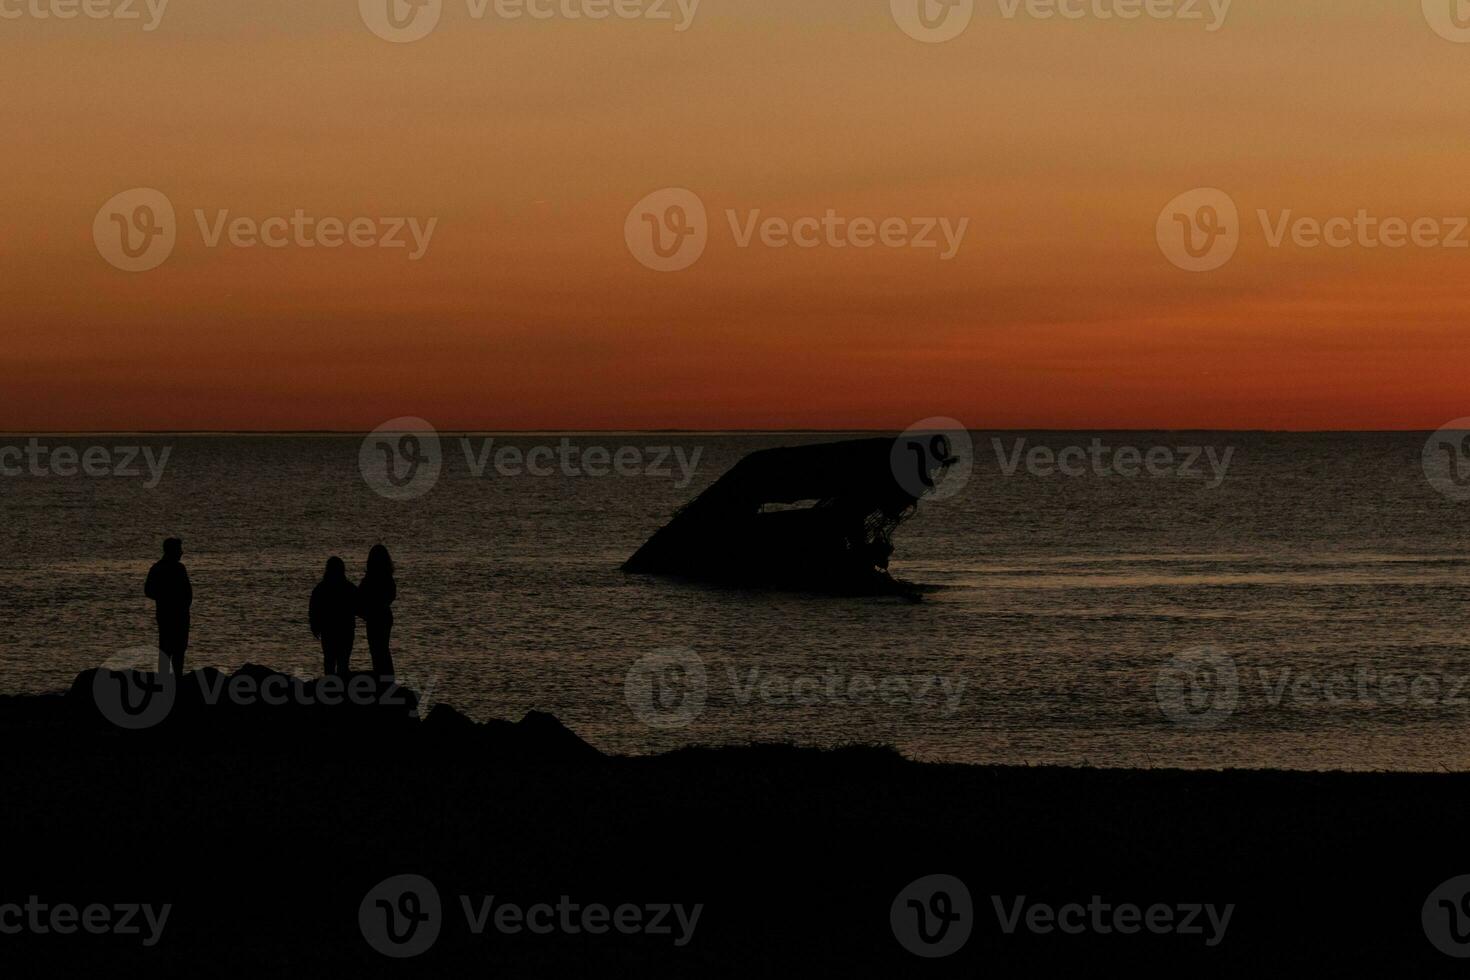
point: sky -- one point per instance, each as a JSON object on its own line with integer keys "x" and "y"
{"x": 1057, "y": 143}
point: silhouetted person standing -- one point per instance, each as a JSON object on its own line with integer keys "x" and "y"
{"x": 168, "y": 586}
{"x": 375, "y": 595}
{"x": 333, "y": 614}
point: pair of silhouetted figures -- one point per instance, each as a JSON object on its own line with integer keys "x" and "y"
{"x": 336, "y": 606}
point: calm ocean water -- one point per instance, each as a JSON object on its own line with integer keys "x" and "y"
{"x": 1067, "y": 619}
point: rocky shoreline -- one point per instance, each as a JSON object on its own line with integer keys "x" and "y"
{"x": 286, "y": 837}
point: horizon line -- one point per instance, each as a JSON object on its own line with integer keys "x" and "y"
{"x": 683, "y": 431}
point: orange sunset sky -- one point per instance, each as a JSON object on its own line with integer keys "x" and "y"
{"x": 529, "y": 141}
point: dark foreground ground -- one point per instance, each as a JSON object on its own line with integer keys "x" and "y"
{"x": 270, "y": 833}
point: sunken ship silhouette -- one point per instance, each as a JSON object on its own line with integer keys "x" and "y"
{"x": 810, "y": 518}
